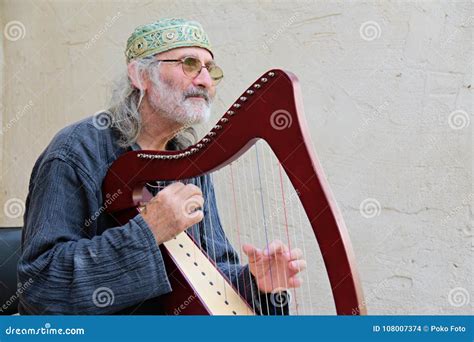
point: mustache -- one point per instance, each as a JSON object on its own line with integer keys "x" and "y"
{"x": 197, "y": 92}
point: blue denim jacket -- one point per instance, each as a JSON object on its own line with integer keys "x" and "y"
{"x": 76, "y": 267}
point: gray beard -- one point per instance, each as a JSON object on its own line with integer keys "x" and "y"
{"x": 177, "y": 106}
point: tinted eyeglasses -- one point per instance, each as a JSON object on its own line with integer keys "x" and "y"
{"x": 192, "y": 67}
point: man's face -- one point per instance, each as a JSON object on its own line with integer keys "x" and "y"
{"x": 177, "y": 96}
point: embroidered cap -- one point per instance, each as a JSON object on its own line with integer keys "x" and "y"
{"x": 164, "y": 35}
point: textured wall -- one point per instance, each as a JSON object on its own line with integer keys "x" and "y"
{"x": 2, "y": 72}
{"x": 387, "y": 92}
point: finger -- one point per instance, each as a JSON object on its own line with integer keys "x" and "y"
{"x": 252, "y": 252}
{"x": 189, "y": 190}
{"x": 297, "y": 265}
{"x": 294, "y": 282}
{"x": 295, "y": 254}
{"x": 276, "y": 247}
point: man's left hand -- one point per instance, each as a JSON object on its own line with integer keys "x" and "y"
{"x": 275, "y": 267}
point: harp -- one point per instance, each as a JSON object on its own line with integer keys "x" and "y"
{"x": 271, "y": 110}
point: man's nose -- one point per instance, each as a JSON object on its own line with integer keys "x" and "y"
{"x": 203, "y": 79}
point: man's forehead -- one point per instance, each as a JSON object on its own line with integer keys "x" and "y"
{"x": 177, "y": 53}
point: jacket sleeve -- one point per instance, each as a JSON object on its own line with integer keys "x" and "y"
{"x": 220, "y": 249}
{"x": 71, "y": 270}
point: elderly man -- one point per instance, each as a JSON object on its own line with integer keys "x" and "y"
{"x": 73, "y": 252}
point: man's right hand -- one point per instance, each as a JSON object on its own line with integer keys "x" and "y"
{"x": 173, "y": 210}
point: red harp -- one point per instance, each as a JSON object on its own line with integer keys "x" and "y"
{"x": 270, "y": 109}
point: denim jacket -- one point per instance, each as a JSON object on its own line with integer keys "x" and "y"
{"x": 75, "y": 257}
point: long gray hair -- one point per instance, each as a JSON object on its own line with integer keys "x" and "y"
{"x": 124, "y": 107}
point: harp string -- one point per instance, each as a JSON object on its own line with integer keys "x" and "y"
{"x": 230, "y": 271}
{"x": 244, "y": 197}
{"x": 243, "y": 202}
{"x": 285, "y": 221}
{"x": 273, "y": 222}
{"x": 239, "y": 241}
{"x": 264, "y": 220}
{"x": 233, "y": 220}
{"x": 279, "y": 192}
{"x": 255, "y": 171}
{"x": 286, "y": 226}
{"x": 300, "y": 232}
{"x": 257, "y": 229}
{"x": 237, "y": 244}
{"x": 235, "y": 271}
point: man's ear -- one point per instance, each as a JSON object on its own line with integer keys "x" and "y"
{"x": 135, "y": 76}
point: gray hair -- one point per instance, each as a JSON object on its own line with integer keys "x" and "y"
{"x": 125, "y": 104}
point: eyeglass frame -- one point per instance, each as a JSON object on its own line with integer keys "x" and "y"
{"x": 181, "y": 60}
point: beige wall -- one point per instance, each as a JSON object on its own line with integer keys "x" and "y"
{"x": 2, "y": 73}
{"x": 387, "y": 93}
